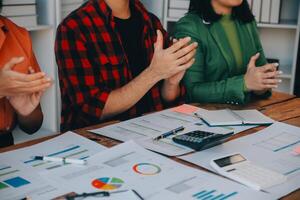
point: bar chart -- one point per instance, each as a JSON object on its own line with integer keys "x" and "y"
{"x": 213, "y": 195}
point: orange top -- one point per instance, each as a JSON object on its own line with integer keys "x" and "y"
{"x": 14, "y": 42}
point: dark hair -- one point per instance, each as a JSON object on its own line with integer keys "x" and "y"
{"x": 0, "y": 5}
{"x": 206, "y": 11}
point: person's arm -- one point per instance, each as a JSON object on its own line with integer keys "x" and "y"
{"x": 164, "y": 65}
{"x": 32, "y": 122}
{"x": 92, "y": 97}
{"x": 13, "y": 83}
{"x": 262, "y": 59}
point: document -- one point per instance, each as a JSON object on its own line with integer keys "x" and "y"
{"x": 18, "y": 169}
{"x": 68, "y": 145}
{"x": 143, "y": 129}
{"x": 271, "y": 148}
{"x": 229, "y": 117}
{"x": 129, "y": 166}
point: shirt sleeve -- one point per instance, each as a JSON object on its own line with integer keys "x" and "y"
{"x": 81, "y": 76}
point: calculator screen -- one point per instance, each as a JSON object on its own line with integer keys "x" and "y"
{"x": 223, "y": 162}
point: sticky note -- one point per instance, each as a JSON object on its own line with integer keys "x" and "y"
{"x": 296, "y": 151}
{"x": 185, "y": 109}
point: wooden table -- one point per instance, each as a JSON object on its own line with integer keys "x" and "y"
{"x": 281, "y": 107}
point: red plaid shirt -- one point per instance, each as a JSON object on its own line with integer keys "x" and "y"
{"x": 92, "y": 63}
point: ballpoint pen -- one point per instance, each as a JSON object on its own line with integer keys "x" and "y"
{"x": 172, "y": 132}
{"x": 62, "y": 160}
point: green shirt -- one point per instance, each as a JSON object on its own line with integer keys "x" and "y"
{"x": 229, "y": 27}
{"x": 214, "y": 78}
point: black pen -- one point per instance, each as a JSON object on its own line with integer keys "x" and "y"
{"x": 172, "y": 132}
{"x": 137, "y": 194}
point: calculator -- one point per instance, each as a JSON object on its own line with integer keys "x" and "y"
{"x": 199, "y": 140}
{"x": 238, "y": 168}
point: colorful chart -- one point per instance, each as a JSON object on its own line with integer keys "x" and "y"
{"x": 147, "y": 169}
{"x": 107, "y": 183}
{"x": 17, "y": 182}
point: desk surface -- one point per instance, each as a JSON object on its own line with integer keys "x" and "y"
{"x": 281, "y": 107}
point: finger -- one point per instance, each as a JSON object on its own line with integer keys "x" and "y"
{"x": 186, "y": 50}
{"x": 186, "y": 66}
{"x": 186, "y": 58}
{"x": 38, "y": 88}
{"x": 41, "y": 88}
{"x": 31, "y": 70}
{"x": 271, "y": 81}
{"x": 271, "y": 86}
{"x": 159, "y": 45}
{"x": 253, "y": 60}
{"x": 271, "y": 74}
{"x": 13, "y": 62}
{"x": 178, "y": 45}
{"x": 38, "y": 82}
{"x": 28, "y": 77}
{"x": 269, "y": 68}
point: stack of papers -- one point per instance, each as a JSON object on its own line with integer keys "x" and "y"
{"x": 143, "y": 129}
{"x": 19, "y": 171}
{"x": 271, "y": 148}
{"x": 131, "y": 167}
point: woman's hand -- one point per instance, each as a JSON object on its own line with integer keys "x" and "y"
{"x": 261, "y": 78}
{"x": 25, "y": 104}
{"x": 13, "y": 83}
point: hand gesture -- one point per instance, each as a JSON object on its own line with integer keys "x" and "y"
{"x": 13, "y": 83}
{"x": 261, "y": 78}
{"x": 173, "y": 61}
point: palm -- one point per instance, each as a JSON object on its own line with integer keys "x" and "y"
{"x": 25, "y": 104}
{"x": 177, "y": 77}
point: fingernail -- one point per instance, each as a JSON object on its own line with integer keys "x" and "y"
{"x": 280, "y": 72}
{"x": 276, "y": 64}
{"x": 196, "y": 44}
{"x": 279, "y": 81}
{"x": 188, "y": 38}
{"x": 257, "y": 54}
{"x": 48, "y": 79}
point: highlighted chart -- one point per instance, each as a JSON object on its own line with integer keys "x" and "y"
{"x": 17, "y": 182}
{"x": 147, "y": 169}
{"x": 107, "y": 183}
{"x": 211, "y": 195}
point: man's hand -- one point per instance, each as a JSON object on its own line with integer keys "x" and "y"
{"x": 13, "y": 83}
{"x": 174, "y": 60}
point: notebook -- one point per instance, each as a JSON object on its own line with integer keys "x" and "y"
{"x": 229, "y": 117}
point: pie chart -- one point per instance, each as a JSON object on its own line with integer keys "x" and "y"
{"x": 107, "y": 183}
{"x": 146, "y": 169}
